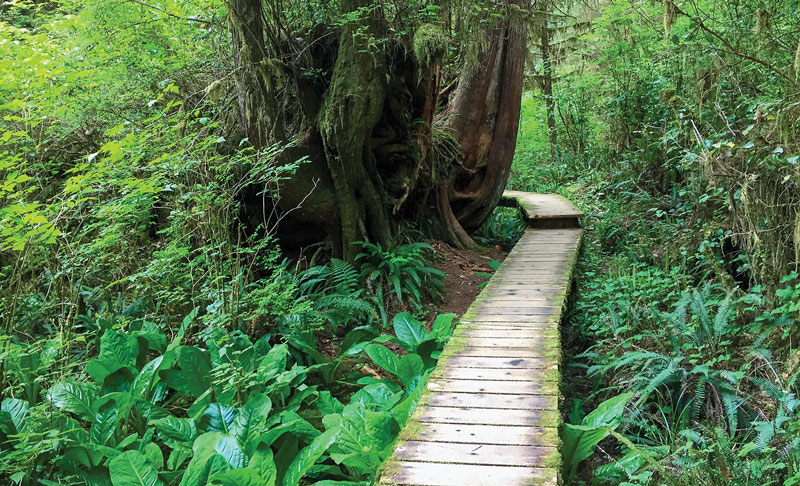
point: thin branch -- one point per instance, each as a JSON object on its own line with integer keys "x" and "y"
{"x": 176, "y": 16}
{"x": 735, "y": 51}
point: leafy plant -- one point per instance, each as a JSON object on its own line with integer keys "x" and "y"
{"x": 403, "y": 271}
{"x": 336, "y": 294}
{"x": 580, "y": 439}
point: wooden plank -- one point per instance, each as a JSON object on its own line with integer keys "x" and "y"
{"x": 508, "y": 342}
{"x": 531, "y": 290}
{"x": 498, "y": 374}
{"x": 540, "y": 291}
{"x": 511, "y": 299}
{"x": 495, "y": 352}
{"x": 479, "y": 416}
{"x": 493, "y": 401}
{"x": 494, "y": 307}
{"x": 488, "y": 434}
{"x": 532, "y": 387}
{"x": 516, "y": 318}
{"x": 490, "y": 455}
{"x": 517, "y": 363}
{"x": 508, "y": 333}
{"x": 432, "y": 474}
{"x": 541, "y": 327}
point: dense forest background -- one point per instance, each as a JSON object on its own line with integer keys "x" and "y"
{"x": 676, "y": 126}
{"x": 183, "y": 303}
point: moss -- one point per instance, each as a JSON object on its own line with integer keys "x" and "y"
{"x": 550, "y": 418}
{"x": 549, "y": 477}
{"x": 430, "y": 45}
{"x": 389, "y": 468}
{"x": 552, "y": 460}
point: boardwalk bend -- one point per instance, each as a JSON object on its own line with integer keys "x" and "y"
{"x": 490, "y": 414}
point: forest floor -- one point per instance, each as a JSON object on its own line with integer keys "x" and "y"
{"x": 461, "y": 282}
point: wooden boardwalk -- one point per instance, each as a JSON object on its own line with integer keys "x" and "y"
{"x": 490, "y": 414}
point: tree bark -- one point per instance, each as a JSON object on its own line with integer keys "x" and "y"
{"x": 547, "y": 85}
{"x": 369, "y": 130}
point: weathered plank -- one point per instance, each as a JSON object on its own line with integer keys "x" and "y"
{"x": 495, "y": 352}
{"x": 432, "y": 474}
{"x": 532, "y": 386}
{"x": 517, "y": 318}
{"x": 502, "y": 363}
{"x": 490, "y": 455}
{"x": 498, "y": 374}
{"x": 507, "y": 309}
{"x": 493, "y": 401}
{"x": 501, "y": 333}
{"x": 488, "y": 434}
{"x": 479, "y": 416}
{"x": 507, "y": 342}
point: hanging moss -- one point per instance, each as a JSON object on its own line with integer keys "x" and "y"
{"x": 430, "y": 45}
{"x": 670, "y": 14}
{"x": 797, "y": 62}
{"x": 762, "y": 22}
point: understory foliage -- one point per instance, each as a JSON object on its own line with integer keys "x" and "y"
{"x": 676, "y": 128}
{"x": 151, "y": 330}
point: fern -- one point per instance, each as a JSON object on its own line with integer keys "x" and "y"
{"x": 336, "y": 294}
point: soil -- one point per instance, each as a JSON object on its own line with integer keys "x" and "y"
{"x": 461, "y": 283}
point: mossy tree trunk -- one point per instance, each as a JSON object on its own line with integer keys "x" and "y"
{"x": 366, "y": 106}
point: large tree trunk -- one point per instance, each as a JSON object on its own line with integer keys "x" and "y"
{"x": 547, "y": 85}
{"x": 369, "y": 128}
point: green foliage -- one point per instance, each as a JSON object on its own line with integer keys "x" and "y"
{"x": 155, "y": 410}
{"x": 337, "y": 295}
{"x": 504, "y": 228}
{"x": 581, "y": 439}
{"x": 681, "y": 150}
{"x": 404, "y": 271}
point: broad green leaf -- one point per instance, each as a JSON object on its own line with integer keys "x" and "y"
{"x": 409, "y": 367}
{"x": 402, "y": 412}
{"x": 380, "y": 396}
{"x": 214, "y": 453}
{"x": 443, "y": 326}
{"x": 104, "y": 426}
{"x": 410, "y": 331}
{"x": 154, "y": 455}
{"x": 329, "y": 482}
{"x": 74, "y": 397}
{"x": 131, "y": 468}
{"x": 178, "y": 433}
{"x": 221, "y": 417}
{"x": 194, "y": 376}
{"x": 144, "y": 381}
{"x": 273, "y": 363}
{"x": 251, "y": 420}
{"x": 237, "y": 477}
{"x": 580, "y": 440}
{"x": 117, "y": 350}
{"x": 327, "y": 403}
{"x": 426, "y": 350}
{"x": 177, "y": 457}
{"x": 383, "y": 357}
{"x": 263, "y": 462}
{"x": 308, "y": 456}
{"x": 365, "y": 439}
{"x": 16, "y": 411}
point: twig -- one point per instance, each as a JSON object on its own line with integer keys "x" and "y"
{"x": 735, "y": 51}
{"x": 176, "y": 16}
